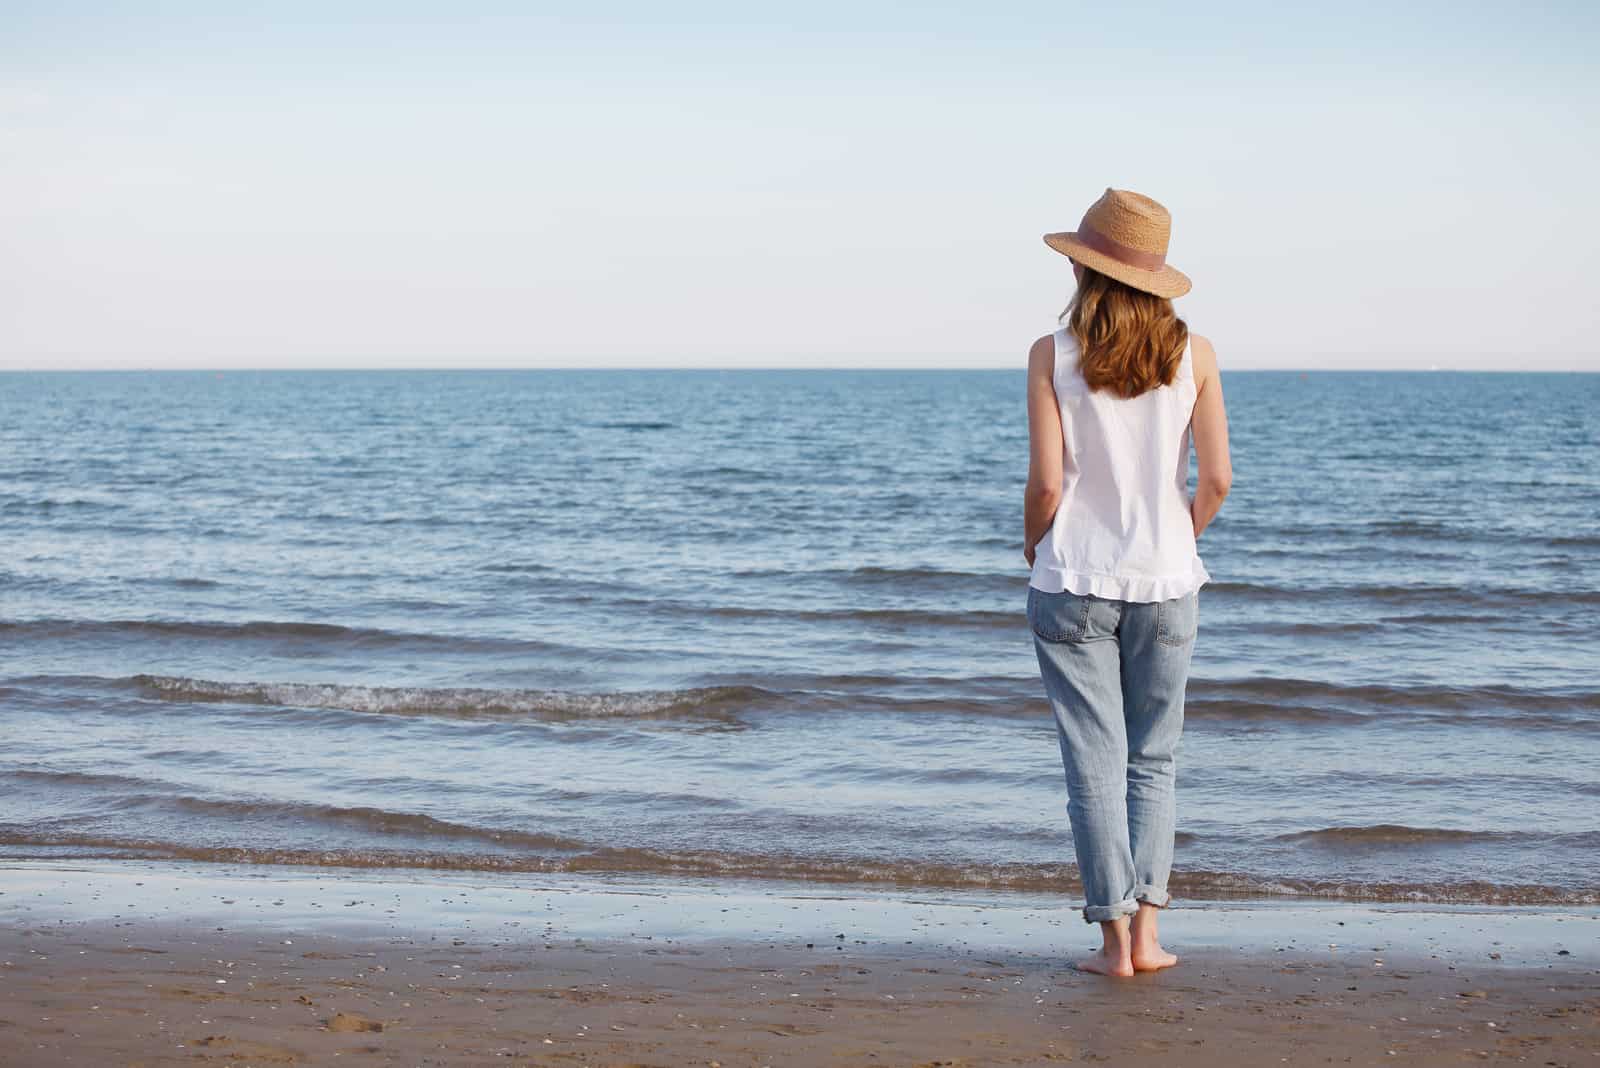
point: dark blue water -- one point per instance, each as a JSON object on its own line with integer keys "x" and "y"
{"x": 770, "y": 623}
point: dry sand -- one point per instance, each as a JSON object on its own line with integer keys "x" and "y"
{"x": 126, "y": 965}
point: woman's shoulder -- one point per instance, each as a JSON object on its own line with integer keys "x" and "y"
{"x": 1042, "y": 354}
{"x": 1050, "y": 344}
{"x": 1203, "y": 355}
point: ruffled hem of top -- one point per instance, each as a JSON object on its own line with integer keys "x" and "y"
{"x": 1121, "y": 587}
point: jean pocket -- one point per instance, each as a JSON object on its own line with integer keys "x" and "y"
{"x": 1058, "y": 617}
{"x": 1177, "y": 620}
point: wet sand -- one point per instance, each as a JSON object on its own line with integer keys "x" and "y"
{"x": 143, "y": 964}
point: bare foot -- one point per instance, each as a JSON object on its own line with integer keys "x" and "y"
{"x": 1107, "y": 963}
{"x": 1144, "y": 949}
{"x": 1151, "y": 958}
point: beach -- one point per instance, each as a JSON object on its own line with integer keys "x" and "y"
{"x": 153, "y": 964}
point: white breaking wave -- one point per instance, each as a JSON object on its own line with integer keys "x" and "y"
{"x": 713, "y": 701}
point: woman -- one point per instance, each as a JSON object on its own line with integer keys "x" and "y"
{"x": 1114, "y": 397}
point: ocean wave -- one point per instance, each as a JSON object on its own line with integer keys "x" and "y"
{"x": 361, "y": 818}
{"x": 1247, "y": 711}
{"x": 99, "y": 780}
{"x": 1393, "y": 834}
{"x": 1405, "y": 527}
{"x": 731, "y": 698}
{"x": 1333, "y": 696}
{"x": 127, "y": 793}
{"x": 257, "y": 630}
{"x": 922, "y": 617}
{"x": 1024, "y": 877}
{"x": 923, "y": 579}
{"x": 1288, "y": 700}
{"x": 718, "y": 702}
{"x": 16, "y": 505}
{"x": 1574, "y": 541}
{"x": 1225, "y": 711}
{"x": 1431, "y": 595}
{"x": 1301, "y": 629}
{"x": 1442, "y": 619}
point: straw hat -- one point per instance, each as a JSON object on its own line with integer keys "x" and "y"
{"x": 1124, "y": 235}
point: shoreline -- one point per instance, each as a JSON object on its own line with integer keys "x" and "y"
{"x": 141, "y": 962}
{"x": 382, "y": 902}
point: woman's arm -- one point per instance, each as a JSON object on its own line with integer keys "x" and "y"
{"x": 1209, "y": 425}
{"x": 1045, "y": 446}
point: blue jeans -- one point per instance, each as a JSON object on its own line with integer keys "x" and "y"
{"x": 1115, "y": 673}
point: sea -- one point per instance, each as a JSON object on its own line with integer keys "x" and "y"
{"x": 769, "y": 625}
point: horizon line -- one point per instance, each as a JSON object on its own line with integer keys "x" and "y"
{"x": 346, "y": 368}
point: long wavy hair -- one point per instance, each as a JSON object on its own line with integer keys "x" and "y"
{"x": 1129, "y": 341}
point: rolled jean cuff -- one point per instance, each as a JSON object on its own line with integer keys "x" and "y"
{"x": 1153, "y": 895}
{"x": 1101, "y": 913}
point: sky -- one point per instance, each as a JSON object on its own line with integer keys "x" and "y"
{"x": 830, "y": 184}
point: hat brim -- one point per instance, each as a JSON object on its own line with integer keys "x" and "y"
{"x": 1167, "y": 282}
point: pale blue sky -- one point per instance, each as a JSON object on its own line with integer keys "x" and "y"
{"x": 394, "y": 184}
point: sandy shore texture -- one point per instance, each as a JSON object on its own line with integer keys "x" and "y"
{"x": 107, "y": 964}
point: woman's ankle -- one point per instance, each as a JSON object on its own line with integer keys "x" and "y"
{"x": 1117, "y": 935}
{"x": 1142, "y": 925}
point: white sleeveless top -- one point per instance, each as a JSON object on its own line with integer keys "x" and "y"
{"x": 1123, "y": 529}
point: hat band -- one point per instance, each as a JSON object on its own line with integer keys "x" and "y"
{"x": 1089, "y": 237}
